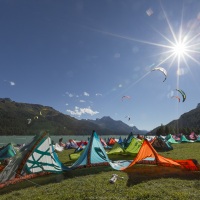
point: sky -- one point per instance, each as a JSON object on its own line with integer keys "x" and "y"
{"x": 95, "y": 58}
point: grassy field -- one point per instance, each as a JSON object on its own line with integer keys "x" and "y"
{"x": 93, "y": 183}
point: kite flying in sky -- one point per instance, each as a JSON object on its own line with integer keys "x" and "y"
{"x": 42, "y": 112}
{"x": 149, "y": 12}
{"x": 128, "y": 118}
{"x": 162, "y": 70}
{"x": 176, "y": 97}
{"x": 125, "y": 97}
{"x": 29, "y": 121}
{"x": 182, "y": 93}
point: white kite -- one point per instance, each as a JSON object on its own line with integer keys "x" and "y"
{"x": 149, "y": 12}
{"x": 162, "y": 70}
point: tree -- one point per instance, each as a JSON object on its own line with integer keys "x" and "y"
{"x": 167, "y": 130}
{"x": 160, "y": 130}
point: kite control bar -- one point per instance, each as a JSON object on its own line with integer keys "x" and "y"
{"x": 114, "y": 178}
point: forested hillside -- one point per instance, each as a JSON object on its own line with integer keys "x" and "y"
{"x": 187, "y": 123}
{"x": 29, "y": 119}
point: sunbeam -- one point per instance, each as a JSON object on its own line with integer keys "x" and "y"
{"x": 182, "y": 46}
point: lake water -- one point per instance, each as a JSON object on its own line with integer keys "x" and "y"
{"x": 25, "y": 139}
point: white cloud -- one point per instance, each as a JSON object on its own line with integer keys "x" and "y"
{"x": 98, "y": 94}
{"x": 117, "y": 55}
{"x": 170, "y": 94}
{"x": 120, "y": 85}
{"x": 12, "y": 83}
{"x": 135, "y": 49}
{"x": 69, "y": 94}
{"x": 82, "y": 101}
{"x": 114, "y": 89}
{"x": 80, "y": 111}
{"x": 181, "y": 71}
{"x": 76, "y": 95}
{"x": 86, "y": 94}
{"x": 66, "y": 104}
{"x": 198, "y": 16}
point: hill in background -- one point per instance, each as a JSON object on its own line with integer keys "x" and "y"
{"x": 109, "y": 123}
{"x": 187, "y": 123}
{"x": 29, "y": 119}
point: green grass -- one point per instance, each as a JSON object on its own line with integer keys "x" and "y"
{"x": 93, "y": 183}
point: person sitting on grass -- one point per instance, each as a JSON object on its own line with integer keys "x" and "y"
{"x": 61, "y": 143}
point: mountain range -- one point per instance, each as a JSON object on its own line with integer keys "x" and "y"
{"x": 187, "y": 122}
{"x": 28, "y": 119}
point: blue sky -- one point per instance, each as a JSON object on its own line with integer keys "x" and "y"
{"x": 82, "y": 56}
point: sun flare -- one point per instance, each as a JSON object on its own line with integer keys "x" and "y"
{"x": 180, "y": 46}
{"x": 180, "y": 49}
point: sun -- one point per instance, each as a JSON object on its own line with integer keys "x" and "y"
{"x": 179, "y": 49}
{"x": 180, "y": 46}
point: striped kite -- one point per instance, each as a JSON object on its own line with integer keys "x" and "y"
{"x": 182, "y": 93}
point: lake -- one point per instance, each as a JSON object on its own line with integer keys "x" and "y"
{"x": 25, "y": 139}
